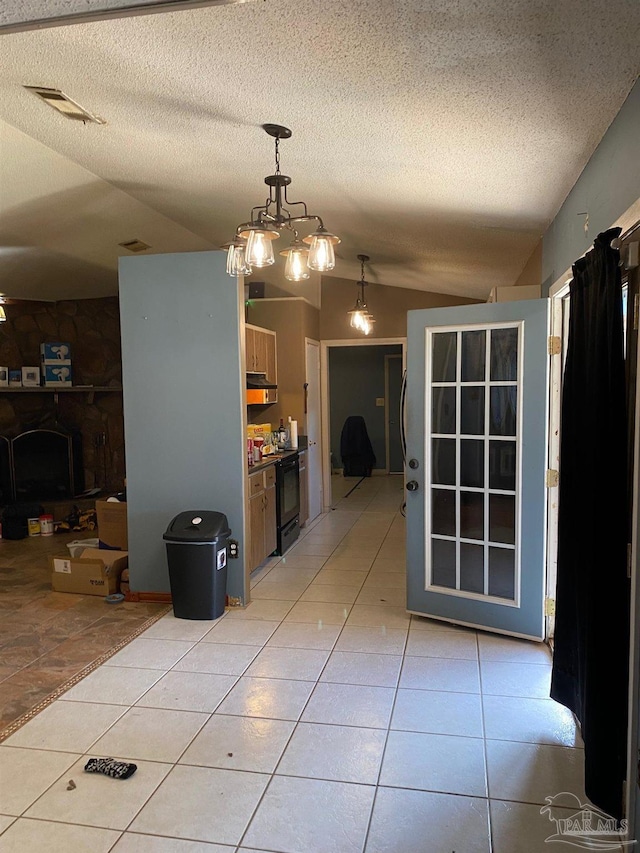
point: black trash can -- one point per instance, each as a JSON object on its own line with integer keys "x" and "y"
{"x": 197, "y": 557}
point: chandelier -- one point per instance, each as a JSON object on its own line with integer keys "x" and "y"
{"x": 361, "y": 318}
{"x": 252, "y": 245}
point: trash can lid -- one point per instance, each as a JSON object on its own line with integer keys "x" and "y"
{"x": 198, "y": 525}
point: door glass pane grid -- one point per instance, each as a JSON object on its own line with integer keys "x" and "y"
{"x": 467, "y": 580}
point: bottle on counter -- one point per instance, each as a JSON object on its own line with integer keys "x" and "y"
{"x": 282, "y": 434}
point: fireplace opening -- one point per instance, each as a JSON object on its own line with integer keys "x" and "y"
{"x": 46, "y": 465}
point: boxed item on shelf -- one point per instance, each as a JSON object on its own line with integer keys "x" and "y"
{"x": 112, "y": 524}
{"x": 94, "y": 573}
{"x": 4, "y": 377}
{"x": 30, "y": 377}
{"x": 262, "y": 430}
{"x": 55, "y": 353}
{"x": 56, "y": 375}
{"x": 15, "y": 378}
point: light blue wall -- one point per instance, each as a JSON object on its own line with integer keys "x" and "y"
{"x": 607, "y": 187}
{"x": 181, "y": 375}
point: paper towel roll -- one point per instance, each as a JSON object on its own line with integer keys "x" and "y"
{"x": 293, "y": 432}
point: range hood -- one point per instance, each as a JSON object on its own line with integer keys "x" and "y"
{"x": 258, "y": 381}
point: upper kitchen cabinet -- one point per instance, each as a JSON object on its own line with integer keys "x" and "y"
{"x": 260, "y": 347}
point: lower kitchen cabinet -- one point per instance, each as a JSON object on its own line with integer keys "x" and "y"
{"x": 262, "y": 515}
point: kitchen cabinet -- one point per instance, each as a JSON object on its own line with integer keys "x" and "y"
{"x": 262, "y": 515}
{"x": 304, "y": 489}
{"x": 260, "y": 350}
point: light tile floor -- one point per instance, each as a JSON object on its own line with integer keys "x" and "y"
{"x": 321, "y": 719}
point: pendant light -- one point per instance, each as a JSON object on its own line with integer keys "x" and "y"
{"x": 360, "y": 317}
{"x": 268, "y": 220}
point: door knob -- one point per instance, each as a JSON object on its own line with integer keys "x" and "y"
{"x": 413, "y": 463}
{"x": 412, "y": 486}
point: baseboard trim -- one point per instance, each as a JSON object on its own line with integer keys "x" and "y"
{"x": 155, "y": 597}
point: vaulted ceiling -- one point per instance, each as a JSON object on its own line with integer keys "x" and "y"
{"x": 440, "y": 137}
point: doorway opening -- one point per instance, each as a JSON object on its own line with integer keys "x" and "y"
{"x": 362, "y": 377}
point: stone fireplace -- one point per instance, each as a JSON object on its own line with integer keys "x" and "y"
{"x": 75, "y": 437}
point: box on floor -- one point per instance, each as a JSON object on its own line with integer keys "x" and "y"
{"x": 112, "y": 524}
{"x": 96, "y": 572}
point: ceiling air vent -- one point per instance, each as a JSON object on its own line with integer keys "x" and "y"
{"x": 134, "y": 246}
{"x": 64, "y": 104}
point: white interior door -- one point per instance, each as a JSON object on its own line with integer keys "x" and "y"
{"x": 477, "y": 409}
{"x": 314, "y": 457}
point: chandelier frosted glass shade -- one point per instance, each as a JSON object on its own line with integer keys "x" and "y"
{"x": 3, "y": 316}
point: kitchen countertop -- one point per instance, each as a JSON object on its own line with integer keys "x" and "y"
{"x": 272, "y": 459}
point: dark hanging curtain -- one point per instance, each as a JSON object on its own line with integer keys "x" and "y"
{"x": 591, "y": 655}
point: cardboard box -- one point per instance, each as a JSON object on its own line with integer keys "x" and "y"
{"x": 56, "y": 375}
{"x": 4, "y": 376}
{"x": 95, "y": 573}
{"x": 55, "y": 353}
{"x": 30, "y": 377}
{"x": 112, "y": 524}
{"x": 15, "y": 378}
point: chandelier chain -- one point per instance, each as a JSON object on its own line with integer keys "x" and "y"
{"x": 277, "y": 156}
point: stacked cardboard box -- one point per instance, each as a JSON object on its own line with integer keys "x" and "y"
{"x": 112, "y": 524}
{"x": 55, "y": 364}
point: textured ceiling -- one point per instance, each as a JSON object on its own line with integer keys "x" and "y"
{"x": 440, "y": 138}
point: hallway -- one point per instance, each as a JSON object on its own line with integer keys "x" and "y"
{"x": 321, "y": 719}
